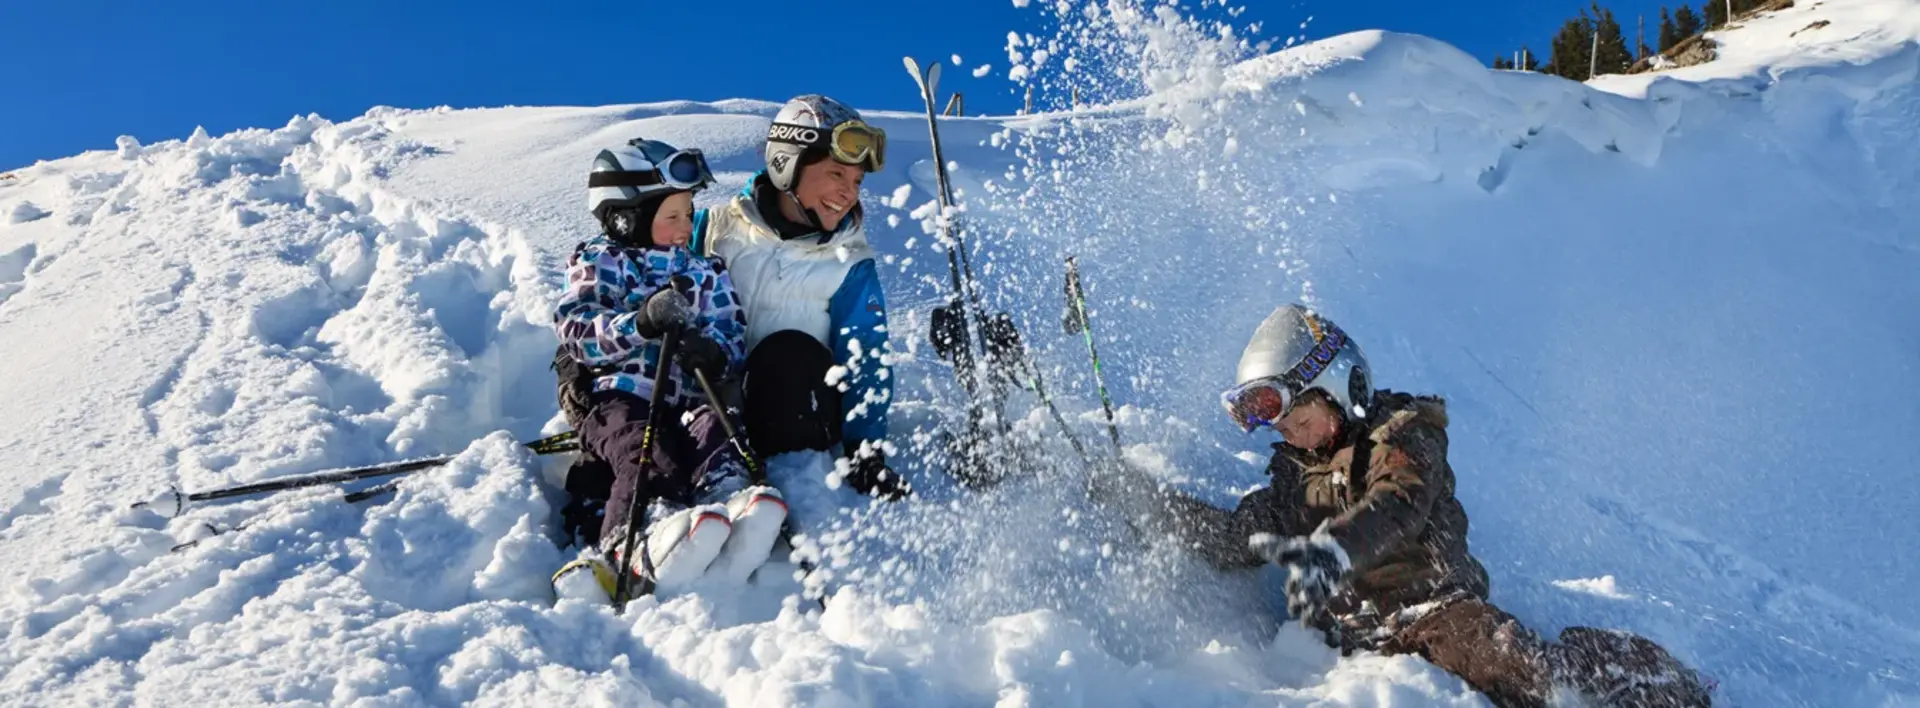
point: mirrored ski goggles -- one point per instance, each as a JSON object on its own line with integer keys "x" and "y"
{"x": 1259, "y": 402}
{"x": 685, "y": 169}
{"x": 852, "y": 142}
{"x": 1264, "y": 401}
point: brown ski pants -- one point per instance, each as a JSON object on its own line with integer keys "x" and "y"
{"x": 1515, "y": 667}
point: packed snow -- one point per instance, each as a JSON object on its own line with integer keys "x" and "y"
{"x": 24, "y": 212}
{"x": 1673, "y": 323}
{"x": 1604, "y": 586}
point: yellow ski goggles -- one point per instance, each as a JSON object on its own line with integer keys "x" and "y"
{"x": 852, "y": 142}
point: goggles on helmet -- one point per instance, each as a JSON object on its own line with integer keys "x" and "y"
{"x": 1266, "y": 400}
{"x": 1258, "y": 402}
{"x": 852, "y": 142}
{"x": 684, "y": 169}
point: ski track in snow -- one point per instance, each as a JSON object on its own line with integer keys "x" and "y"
{"x": 274, "y": 302}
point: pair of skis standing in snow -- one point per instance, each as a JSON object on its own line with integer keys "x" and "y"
{"x": 1360, "y": 513}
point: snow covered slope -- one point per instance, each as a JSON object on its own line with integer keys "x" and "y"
{"x": 1817, "y": 34}
{"x": 1676, "y": 333}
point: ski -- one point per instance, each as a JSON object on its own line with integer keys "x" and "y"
{"x": 175, "y": 502}
{"x": 953, "y": 324}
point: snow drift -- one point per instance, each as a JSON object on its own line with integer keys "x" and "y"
{"x": 1673, "y": 319}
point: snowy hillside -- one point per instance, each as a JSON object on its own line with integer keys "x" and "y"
{"x": 1673, "y": 316}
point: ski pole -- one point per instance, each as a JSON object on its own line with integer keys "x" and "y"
{"x": 1040, "y": 389}
{"x": 350, "y": 498}
{"x": 1004, "y": 338}
{"x": 373, "y": 491}
{"x": 669, "y": 348}
{"x": 669, "y": 343}
{"x": 175, "y": 502}
{"x": 966, "y": 297}
{"x": 1077, "y": 322}
{"x": 755, "y": 473}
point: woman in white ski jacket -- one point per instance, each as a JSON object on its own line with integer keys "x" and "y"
{"x": 805, "y": 273}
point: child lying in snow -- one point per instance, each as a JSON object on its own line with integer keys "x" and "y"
{"x": 700, "y": 515}
{"x": 1361, "y": 514}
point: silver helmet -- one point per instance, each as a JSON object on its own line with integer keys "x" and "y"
{"x": 1305, "y": 352}
{"x": 806, "y": 126}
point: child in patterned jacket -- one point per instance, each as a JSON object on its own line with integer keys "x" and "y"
{"x": 701, "y": 516}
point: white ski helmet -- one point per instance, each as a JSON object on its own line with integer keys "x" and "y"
{"x": 623, "y": 179}
{"x": 1304, "y": 351}
{"x": 814, "y": 125}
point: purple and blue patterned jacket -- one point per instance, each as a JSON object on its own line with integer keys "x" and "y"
{"x": 607, "y": 283}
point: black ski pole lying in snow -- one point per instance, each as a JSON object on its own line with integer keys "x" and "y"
{"x": 175, "y": 502}
{"x": 375, "y": 491}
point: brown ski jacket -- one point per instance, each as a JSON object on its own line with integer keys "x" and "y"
{"x": 1385, "y": 492}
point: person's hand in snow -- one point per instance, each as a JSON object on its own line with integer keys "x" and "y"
{"x": 1316, "y": 568}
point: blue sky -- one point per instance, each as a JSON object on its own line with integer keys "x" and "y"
{"x": 78, "y": 73}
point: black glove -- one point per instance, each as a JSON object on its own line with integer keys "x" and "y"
{"x": 698, "y": 352}
{"x": 1003, "y": 340}
{"x": 870, "y": 476}
{"x": 948, "y": 329}
{"x": 1316, "y": 568}
{"x": 664, "y": 311}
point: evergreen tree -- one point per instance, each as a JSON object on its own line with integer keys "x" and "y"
{"x": 1716, "y": 12}
{"x": 1640, "y": 48}
{"x": 1685, "y": 24}
{"x": 1669, "y": 33}
{"x": 1572, "y": 48}
{"x": 1529, "y": 61}
{"x": 1500, "y": 62}
{"x": 1613, "y": 56}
